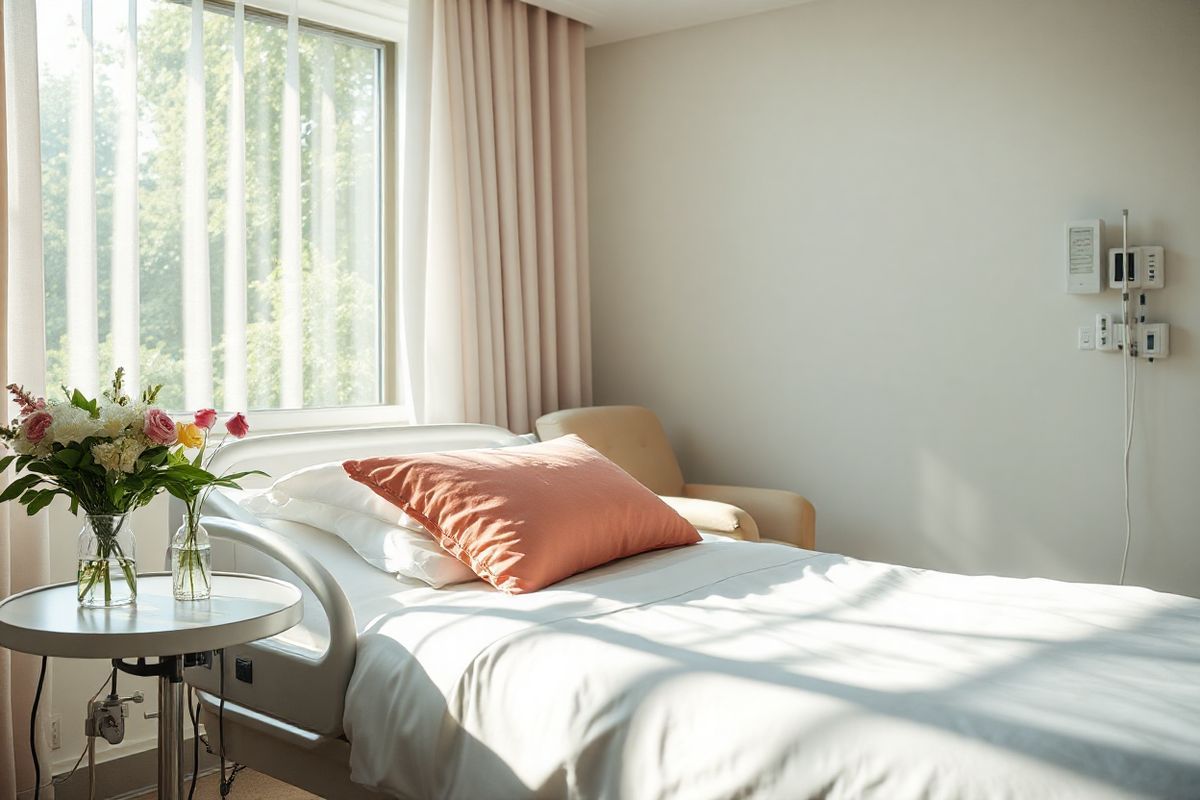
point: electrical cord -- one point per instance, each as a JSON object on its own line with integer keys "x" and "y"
{"x": 37, "y": 697}
{"x": 226, "y": 783}
{"x": 64, "y": 778}
{"x": 1128, "y": 366}
{"x": 195, "y": 741}
{"x": 1131, "y": 411}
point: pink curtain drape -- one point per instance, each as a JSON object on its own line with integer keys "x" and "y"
{"x": 23, "y": 540}
{"x": 506, "y": 329}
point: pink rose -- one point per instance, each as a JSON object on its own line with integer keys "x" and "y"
{"x": 159, "y": 427}
{"x": 206, "y": 418}
{"x": 237, "y": 425}
{"x": 35, "y": 426}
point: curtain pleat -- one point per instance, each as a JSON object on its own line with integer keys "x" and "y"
{"x": 506, "y": 329}
{"x": 196, "y": 302}
{"x": 324, "y": 235}
{"x": 24, "y": 540}
{"x": 235, "y": 221}
{"x": 82, "y": 324}
{"x": 125, "y": 316}
{"x": 291, "y": 321}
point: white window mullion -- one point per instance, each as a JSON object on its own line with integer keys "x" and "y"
{"x": 324, "y": 198}
{"x": 291, "y": 321}
{"x": 197, "y": 323}
{"x": 125, "y": 315}
{"x": 83, "y": 329}
{"x": 235, "y": 223}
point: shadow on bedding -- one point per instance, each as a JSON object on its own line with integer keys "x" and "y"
{"x": 951, "y": 707}
{"x": 416, "y": 744}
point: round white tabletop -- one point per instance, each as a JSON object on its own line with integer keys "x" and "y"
{"x": 49, "y": 621}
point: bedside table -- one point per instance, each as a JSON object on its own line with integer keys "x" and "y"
{"x": 48, "y": 621}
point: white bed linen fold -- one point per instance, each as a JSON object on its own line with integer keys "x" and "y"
{"x": 755, "y": 670}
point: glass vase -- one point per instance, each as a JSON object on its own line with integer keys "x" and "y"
{"x": 107, "y": 574}
{"x": 191, "y": 563}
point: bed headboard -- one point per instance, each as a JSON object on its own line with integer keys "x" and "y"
{"x": 281, "y": 453}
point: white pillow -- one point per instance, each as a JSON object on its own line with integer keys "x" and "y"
{"x": 325, "y": 497}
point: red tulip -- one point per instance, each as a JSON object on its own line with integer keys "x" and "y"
{"x": 237, "y": 425}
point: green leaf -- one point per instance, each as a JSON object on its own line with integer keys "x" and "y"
{"x": 43, "y": 499}
{"x": 69, "y": 456}
{"x": 4, "y": 462}
{"x": 184, "y": 493}
{"x": 234, "y": 476}
{"x": 17, "y": 487}
{"x": 191, "y": 473}
{"x": 90, "y": 406}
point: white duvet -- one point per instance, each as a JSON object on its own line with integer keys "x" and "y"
{"x": 730, "y": 669}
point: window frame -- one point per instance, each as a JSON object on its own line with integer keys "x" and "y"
{"x": 384, "y": 24}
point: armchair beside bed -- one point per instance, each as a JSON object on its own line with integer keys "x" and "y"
{"x": 633, "y": 437}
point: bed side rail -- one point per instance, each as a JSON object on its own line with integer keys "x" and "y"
{"x": 309, "y": 692}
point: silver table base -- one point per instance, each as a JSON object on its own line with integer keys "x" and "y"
{"x": 169, "y": 671}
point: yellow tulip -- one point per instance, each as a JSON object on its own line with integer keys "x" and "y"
{"x": 190, "y": 435}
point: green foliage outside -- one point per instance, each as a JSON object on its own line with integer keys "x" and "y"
{"x": 340, "y": 245}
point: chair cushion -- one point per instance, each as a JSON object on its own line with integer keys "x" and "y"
{"x": 631, "y": 436}
{"x": 525, "y": 517}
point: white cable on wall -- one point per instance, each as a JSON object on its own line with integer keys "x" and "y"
{"x": 1128, "y": 365}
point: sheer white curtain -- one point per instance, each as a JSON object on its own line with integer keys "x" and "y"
{"x": 212, "y": 192}
{"x": 23, "y": 540}
{"x": 496, "y": 231}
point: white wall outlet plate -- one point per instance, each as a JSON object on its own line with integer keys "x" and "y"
{"x": 1086, "y": 338}
{"x": 1155, "y": 340}
{"x": 56, "y": 732}
{"x": 1153, "y": 265}
{"x": 1105, "y": 337}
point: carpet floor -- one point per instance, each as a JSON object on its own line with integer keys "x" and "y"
{"x": 248, "y": 785}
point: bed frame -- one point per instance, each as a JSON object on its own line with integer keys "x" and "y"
{"x": 288, "y": 722}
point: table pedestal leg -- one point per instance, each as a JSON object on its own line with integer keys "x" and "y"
{"x": 170, "y": 730}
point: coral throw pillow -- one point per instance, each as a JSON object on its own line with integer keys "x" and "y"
{"x": 525, "y": 517}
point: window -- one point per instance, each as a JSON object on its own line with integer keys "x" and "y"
{"x": 213, "y": 204}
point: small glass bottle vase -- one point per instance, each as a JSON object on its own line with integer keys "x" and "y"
{"x": 107, "y": 574}
{"x": 191, "y": 563}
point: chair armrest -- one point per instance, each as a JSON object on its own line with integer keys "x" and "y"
{"x": 715, "y": 517}
{"x": 779, "y": 514}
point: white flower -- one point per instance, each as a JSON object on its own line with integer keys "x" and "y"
{"x": 71, "y": 424}
{"x": 116, "y": 419}
{"x": 118, "y": 456}
{"x": 23, "y": 446}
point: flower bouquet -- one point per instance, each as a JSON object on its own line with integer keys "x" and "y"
{"x": 108, "y": 456}
{"x": 190, "y": 480}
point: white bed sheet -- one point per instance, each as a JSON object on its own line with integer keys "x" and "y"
{"x": 754, "y": 670}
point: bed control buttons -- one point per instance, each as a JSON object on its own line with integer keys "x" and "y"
{"x": 243, "y": 669}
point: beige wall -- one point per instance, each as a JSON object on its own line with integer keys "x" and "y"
{"x": 827, "y": 249}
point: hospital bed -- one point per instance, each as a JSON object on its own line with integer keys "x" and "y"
{"x": 718, "y": 670}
